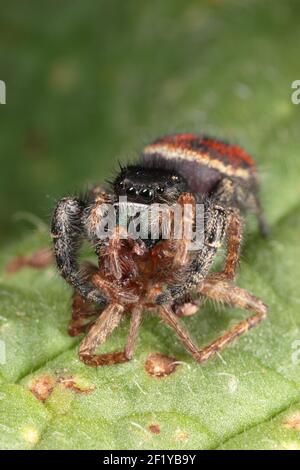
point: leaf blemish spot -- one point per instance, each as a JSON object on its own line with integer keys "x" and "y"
{"x": 154, "y": 428}
{"x": 38, "y": 260}
{"x": 30, "y": 434}
{"x": 76, "y": 384}
{"x": 42, "y": 387}
{"x": 181, "y": 436}
{"x": 160, "y": 365}
{"x": 293, "y": 422}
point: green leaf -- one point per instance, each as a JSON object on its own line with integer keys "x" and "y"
{"x": 116, "y": 407}
{"x": 225, "y": 68}
{"x": 23, "y": 419}
{"x": 279, "y": 433}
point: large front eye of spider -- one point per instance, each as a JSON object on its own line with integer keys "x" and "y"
{"x": 146, "y": 194}
{"x": 131, "y": 191}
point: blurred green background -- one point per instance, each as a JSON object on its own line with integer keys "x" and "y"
{"x": 90, "y": 82}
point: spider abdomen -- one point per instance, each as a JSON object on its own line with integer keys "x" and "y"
{"x": 202, "y": 161}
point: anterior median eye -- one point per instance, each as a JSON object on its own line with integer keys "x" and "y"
{"x": 131, "y": 191}
{"x": 146, "y": 193}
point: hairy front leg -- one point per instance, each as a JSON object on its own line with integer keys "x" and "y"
{"x": 68, "y": 232}
{"x": 82, "y": 309}
{"x": 198, "y": 268}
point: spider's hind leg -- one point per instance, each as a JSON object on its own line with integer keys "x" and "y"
{"x": 248, "y": 199}
{"x": 227, "y": 292}
{"x": 220, "y": 291}
{"x": 256, "y": 208}
{"x": 100, "y": 331}
{"x": 234, "y": 236}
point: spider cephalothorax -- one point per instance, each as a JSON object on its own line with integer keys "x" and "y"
{"x": 137, "y": 273}
{"x": 149, "y": 185}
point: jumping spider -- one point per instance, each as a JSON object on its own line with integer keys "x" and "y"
{"x": 144, "y": 274}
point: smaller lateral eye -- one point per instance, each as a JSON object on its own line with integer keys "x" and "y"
{"x": 159, "y": 190}
{"x": 121, "y": 184}
{"x": 211, "y": 237}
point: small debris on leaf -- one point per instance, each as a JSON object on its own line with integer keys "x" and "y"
{"x": 160, "y": 365}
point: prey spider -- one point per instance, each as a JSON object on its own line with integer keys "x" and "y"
{"x": 164, "y": 275}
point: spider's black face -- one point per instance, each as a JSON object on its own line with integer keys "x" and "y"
{"x": 149, "y": 185}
